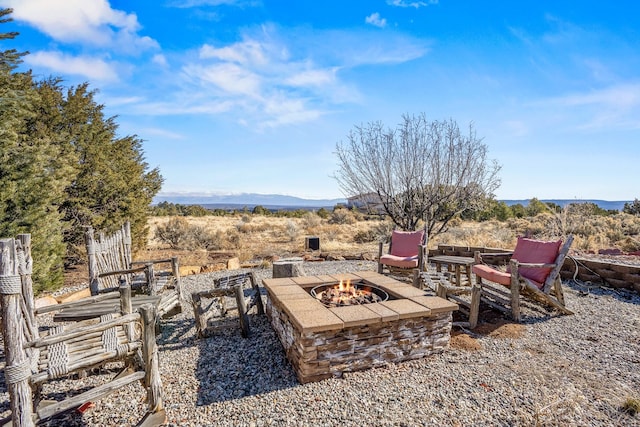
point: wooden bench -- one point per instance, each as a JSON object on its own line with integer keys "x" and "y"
{"x": 110, "y": 262}
{"x": 467, "y": 297}
{"x": 214, "y": 304}
{"x": 35, "y": 356}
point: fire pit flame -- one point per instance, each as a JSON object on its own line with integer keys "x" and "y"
{"x": 347, "y": 293}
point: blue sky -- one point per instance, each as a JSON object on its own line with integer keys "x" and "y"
{"x": 234, "y": 96}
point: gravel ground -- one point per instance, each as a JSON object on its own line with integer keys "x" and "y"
{"x": 569, "y": 370}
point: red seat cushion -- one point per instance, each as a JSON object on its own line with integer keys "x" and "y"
{"x": 536, "y": 251}
{"x": 491, "y": 274}
{"x": 405, "y": 243}
{"x": 399, "y": 261}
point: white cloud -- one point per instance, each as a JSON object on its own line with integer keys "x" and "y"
{"x": 197, "y": 3}
{"x": 416, "y": 4}
{"x": 81, "y": 21}
{"x": 375, "y": 20}
{"x": 230, "y": 78}
{"x": 248, "y": 52}
{"x": 312, "y": 78}
{"x": 90, "y": 68}
{"x": 160, "y": 59}
{"x": 623, "y": 96}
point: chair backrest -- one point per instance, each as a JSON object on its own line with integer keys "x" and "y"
{"x": 105, "y": 254}
{"x": 541, "y": 252}
{"x": 406, "y": 243}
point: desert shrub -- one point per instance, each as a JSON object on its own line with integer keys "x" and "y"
{"x": 632, "y": 208}
{"x": 631, "y": 406}
{"x": 243, "y": 227}
{"x": 292, "y": 230}
{"x": 455, "y": 222}
{"x": 178, "y": 233}
{"x": 311, "y": 220}
{"x": 323, "y": 213}
{"x": 342, "y": 216}
{"x": 174, "y": 233}
{"x": 364, "y": 236}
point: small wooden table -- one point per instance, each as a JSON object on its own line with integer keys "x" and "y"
{"x": 455, "y": 264}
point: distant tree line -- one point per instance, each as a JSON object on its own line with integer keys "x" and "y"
{"x": 177, "y": 209}
{"x": 493, "y": 210}
{"x": 63, "y": 166}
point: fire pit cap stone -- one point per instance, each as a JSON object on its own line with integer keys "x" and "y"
{"x": 385, "y": 313}
{"x": 404, "y": 291}
{"x": 435, "y": 304}
{"x": 407, "y": 309}
{"x": 356, "y": 315}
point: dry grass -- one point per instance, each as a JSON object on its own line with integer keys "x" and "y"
{"x": 257, "y": 237}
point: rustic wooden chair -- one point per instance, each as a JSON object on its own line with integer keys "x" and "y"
{"x": 533, "y": 273}
{"x": 214, "y": 304}
{"x": 35, "y": 356}
{"x": 406, "y": 256}
{"x": 110, "y": 260}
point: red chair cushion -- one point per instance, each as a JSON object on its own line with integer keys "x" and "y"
{"x": 536, "y": 251}
{"x": 398, "y": 261}
{"x": 491, "y": 274}
{"x": 405, "y": 243}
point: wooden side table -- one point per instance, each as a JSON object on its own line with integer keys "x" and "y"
{"x": 454, "y": 264}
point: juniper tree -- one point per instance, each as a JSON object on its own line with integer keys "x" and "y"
{"x": 30, "y": 185}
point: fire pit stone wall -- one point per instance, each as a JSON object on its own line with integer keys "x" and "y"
{"x": 323, "y": 342}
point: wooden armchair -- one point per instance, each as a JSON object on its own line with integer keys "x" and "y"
{"x": 110, "y": 261}
{"x": 533, "y": 273}
{"x": 35, "y": 356}
{"x": 406, "y": 256}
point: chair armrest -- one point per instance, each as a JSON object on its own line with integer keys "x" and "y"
{"x": 127, "y": 271}
{"x": 477, "y": 255}
{"x": 78, "y": 303}
{"x": 153, "y": 261}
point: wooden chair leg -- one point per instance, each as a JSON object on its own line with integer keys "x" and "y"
{"x": 242, "y": 311}
{"x": 474, "y": 308}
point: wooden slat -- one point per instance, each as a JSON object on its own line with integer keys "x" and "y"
{"x": 97, "y": 309}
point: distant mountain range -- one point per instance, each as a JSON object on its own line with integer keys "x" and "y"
{"x": 275, "y": 201}
{"x": 249, "y": 200}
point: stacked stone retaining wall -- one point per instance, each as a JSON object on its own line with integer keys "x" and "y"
{"x": 609, "y": 273}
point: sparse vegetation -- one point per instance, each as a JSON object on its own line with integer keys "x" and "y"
{"x": 631, "y": 406}
{"x": 345, "y": 233}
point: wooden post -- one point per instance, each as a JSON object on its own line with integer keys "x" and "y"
{"x": 94, "y": 286}
{"x": 153, "y": 383}
{"x": 151, "y": 279}
{"x": 242, "y": 310}
{"x": 474, "y": 308}
{"x": 17, "y": 370}
{"x": 380, "y": 266}
{"x": 515, "y": 290}
{"x": 126, "y": 229}
{"x": 175, "y": 270}
{"x": 126, "y": 306}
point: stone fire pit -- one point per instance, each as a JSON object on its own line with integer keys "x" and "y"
{"x": 322, "y": 342}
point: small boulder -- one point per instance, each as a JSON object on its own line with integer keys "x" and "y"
{"x": 74, "y": 296}
{"x": 45, "y": 301}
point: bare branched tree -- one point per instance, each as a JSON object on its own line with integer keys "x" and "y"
{"x": 420, "y": 170}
